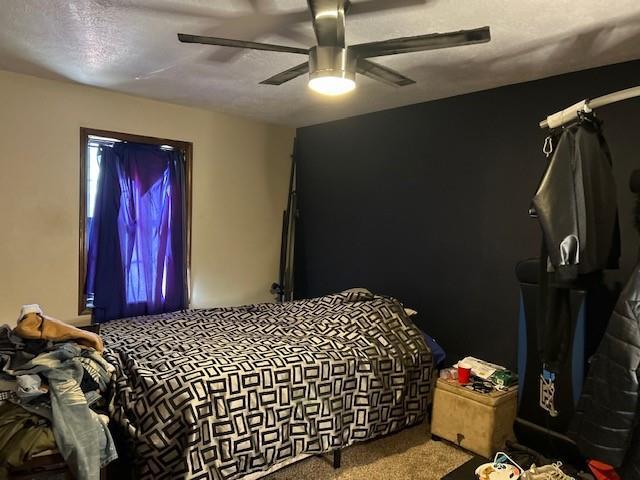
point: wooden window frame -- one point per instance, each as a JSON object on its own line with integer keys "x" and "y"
{"x": 186, "y": 147}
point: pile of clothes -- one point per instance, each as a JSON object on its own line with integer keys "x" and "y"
{"x": 54, "y": 384}
{"x": 523, "y": 463}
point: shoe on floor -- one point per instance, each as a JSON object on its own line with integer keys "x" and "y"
{"x": 546, "y": 472}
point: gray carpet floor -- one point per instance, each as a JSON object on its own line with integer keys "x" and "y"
{"x": 406, "y": 455}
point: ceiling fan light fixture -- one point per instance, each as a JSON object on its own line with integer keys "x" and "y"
{"x": 331, "y": 85}
{"x": 332, "y": 70}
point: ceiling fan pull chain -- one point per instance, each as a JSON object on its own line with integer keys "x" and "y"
{"x": 547, "y": 148}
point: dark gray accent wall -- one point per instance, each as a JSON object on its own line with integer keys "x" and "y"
{"x": 428, "y": 203}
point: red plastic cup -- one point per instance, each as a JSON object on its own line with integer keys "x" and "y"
{"x": 464, "y": 373}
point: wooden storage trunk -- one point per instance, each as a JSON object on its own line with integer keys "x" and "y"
{"x": 475, "y": 421}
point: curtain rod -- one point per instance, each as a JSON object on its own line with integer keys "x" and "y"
{"x": 110, "y": 142}
{"x": 571, "y": 113}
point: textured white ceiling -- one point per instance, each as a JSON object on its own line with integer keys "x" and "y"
{"x": 130, "y": 46}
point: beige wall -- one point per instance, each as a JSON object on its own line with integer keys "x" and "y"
{"x": 240, "y": 180}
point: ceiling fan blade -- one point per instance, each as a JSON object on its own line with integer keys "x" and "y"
{"x": 287, "y": 75}
{"x": 382, "y": 74}
{"x": 226, "y": 42}
{"x": 376, "y": 6}
{"x": 420, "y": 43}
{"x": 327, "y": 17}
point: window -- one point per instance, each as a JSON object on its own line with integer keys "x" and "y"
{"x": 92, "y": 143}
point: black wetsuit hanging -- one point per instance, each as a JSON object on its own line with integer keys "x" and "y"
{"x": 577, "y": 209}
{"x": 576, "y": 203}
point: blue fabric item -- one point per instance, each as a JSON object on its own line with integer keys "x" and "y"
{"x": 439, "y": 355}
{"x": 137, "y": 240}
{"x": 77, "y": 429}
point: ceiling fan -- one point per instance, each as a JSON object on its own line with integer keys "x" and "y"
{"x": 332, "y": 65}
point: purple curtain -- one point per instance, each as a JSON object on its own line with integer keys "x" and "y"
{"x": 137, "y": 241}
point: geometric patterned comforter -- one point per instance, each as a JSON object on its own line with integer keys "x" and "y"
{"x": 220, "y": 393}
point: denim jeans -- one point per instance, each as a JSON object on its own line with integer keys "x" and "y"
{"x": 78, "y": 431}
{"x": 97, "y": 367}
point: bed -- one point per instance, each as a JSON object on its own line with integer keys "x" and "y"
{"x": 230, "y": 393}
